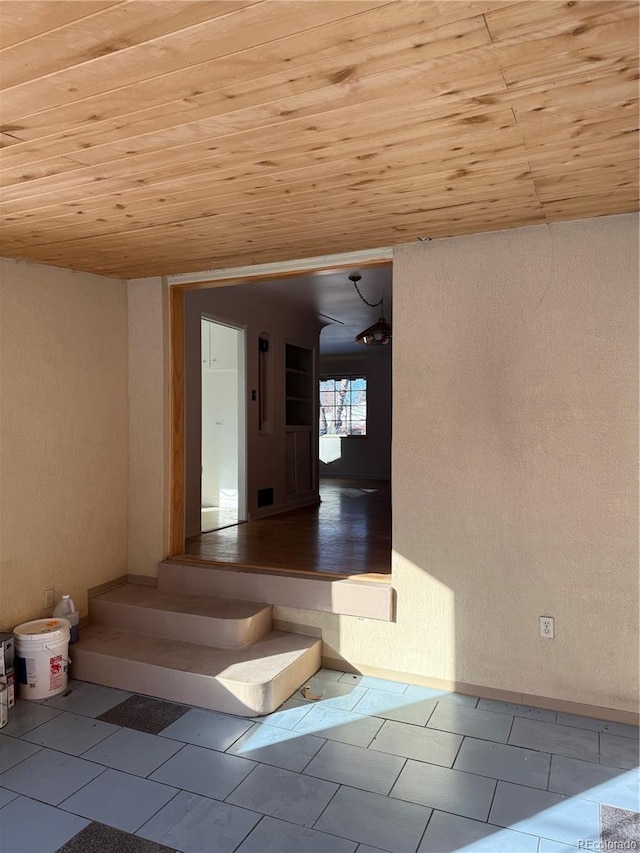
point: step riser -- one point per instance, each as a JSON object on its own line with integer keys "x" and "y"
{"x": 190, "y": 628}
{"x": 204, "y": 691}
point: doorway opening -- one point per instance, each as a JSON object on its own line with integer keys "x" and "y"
{"x": 223, "y": 476}
{"x": 318, "y": 499}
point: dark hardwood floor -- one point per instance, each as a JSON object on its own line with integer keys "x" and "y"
{"x": 349, "y": 533}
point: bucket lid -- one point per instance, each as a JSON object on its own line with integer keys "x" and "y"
{"x": 42, "y": 626}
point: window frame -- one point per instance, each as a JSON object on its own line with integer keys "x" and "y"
{"x": 350, "y": 376}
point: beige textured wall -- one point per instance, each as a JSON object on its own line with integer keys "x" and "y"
{"x": 149, "y": 427}
{"x": 515, "y": 460}
{"x": 63, "y": 435}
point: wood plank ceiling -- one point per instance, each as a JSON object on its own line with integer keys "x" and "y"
{"x": 163, "y": 136}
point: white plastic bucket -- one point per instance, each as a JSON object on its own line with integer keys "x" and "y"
{"x": 42, "y": 657}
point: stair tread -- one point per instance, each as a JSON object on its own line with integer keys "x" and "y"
{"x": 254, "y": 664}
{"x": 195, "y": 605}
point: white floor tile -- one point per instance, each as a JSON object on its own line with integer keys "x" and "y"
{"x": 517, "y": 710}
{"x": 344, "y": 726}
{"x": 26, "y": 716}
{"x": 207, "y": 728}
{"x": 568, "y": 820}
{"x": 560, "y": 740}
{"x": 619, "y": 729}
{"x": 470, "y": 721}
{"x": 395, "y": 706}
{"x": 194, "y": 824}
{"x": 13, "y": 751}
{"x": 281, "y": 793}
{"x": 204, "y": 771}
{"x": 619, "y": 751}
{"x": 449, "y": 833}
{"x": 331, "y": 694}
{"x": 70, "y": 733}
{"x": 287, "y": 716}
{"x": 374, "y": 683}
{"x": 391, "y": 825}
{"x": 6, "y": 796}
{"x": 499, "y": 761}
{"x": 32, "y": 827}
{"x": 418, "y": 692}
{"x": 133, "y": 752}
{"x": 444, "y": 789}
{"x": 597, "y": 782}
{"x": 416, "y": 742}
{"x": 90, "y": 700}
{"x": 356, "y": 766}
{"x": 50, "y": 776}
{"x": 278, "y": 836}
{"x": 119, "y": 800}
{"x": 280, "y": 747}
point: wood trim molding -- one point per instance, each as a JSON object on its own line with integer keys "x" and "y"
{"x": 176, "y": 521}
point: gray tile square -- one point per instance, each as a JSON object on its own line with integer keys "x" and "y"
{"x": 433, "y": 693}
{"x": 281, "y": 793}
{"x": 596, "y": 782}
{"x": 549, "y": 737}
{"x": 344, "y": 726}
{"x": 329, "y": 674}
{"x": 204, "y": 771}
{"x": 552, "y": 816}
{"x": 6, "y": 796}
{"x": 280, "y": 747}
{"x": 500, "y": 761}
{"x": 50, "y": 776}
{"x": 207, "y": 728}
{"x": 195, "y": 824}
{"x": 119, "y": 800}
{"x": 514, "y": 710}
{"x": 619, "y": 751}
{"x": 444, "y": 789}
{"x": 13, "y": 751}
{"x": 449, "y": 833}
{"x": 471, "y": 721}
{"x": 288, "y": 715}
{"x": 392, "y": 825}
{"x": 619, "y": 729}
{"x": 144, "y": 714}
{"x": 70, "y": 733}
{"x": 278, "y": 836}
{"x": 26, "y": 716}
{"x": 619, "y": 829}
{"x": 133, "y": 752}
{"x": 32, "y": 827}
{"x": 548, "y": 846}
{"x": 416, "y": 742}
{"x": 395, "y": 706}
{"x": 374, "y": 683}
{"x": 87, "y": 699}
{"x": 356, "y": 766}
{"x": 98, "y": 838}
{"x": 331, "y": 694}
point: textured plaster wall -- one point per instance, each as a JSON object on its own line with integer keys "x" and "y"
{"x": 63, "y": 435}
{"x": 149, "y": 427}
{"x": 515, "y": 458}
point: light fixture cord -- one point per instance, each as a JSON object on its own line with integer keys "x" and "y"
{"x": 366, "y": 301}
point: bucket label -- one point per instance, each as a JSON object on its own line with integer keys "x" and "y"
{"x": 56, "y": 673}
{"x": 4, "y": 706}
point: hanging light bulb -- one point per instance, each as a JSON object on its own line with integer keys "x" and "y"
{"x": 379, "y": 334}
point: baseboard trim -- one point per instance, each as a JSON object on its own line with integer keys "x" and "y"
{"x": 614, "y": 715}
{"x": 285, "y": 506}
{"x": 94, "y": 591}
{"x": 142, "y": 580}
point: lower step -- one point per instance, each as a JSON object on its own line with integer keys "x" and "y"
{"x": 250, "y": 681}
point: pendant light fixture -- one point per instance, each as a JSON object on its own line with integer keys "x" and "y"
{"x": 380, "y": 333}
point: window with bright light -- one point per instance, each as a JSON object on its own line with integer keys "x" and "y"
{"x": 343, "y": 405}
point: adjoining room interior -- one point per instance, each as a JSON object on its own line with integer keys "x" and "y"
{"x": 318, "y": 441}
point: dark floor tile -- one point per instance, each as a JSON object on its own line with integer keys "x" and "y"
{"x": 98, "y": 838}
{"x": 144, "y": 714}
{"x": 619, "y": 827}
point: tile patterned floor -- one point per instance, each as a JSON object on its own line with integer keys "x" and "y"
{"x": 370, "y": 766}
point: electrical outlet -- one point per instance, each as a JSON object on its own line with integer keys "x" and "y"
{"x": 49, "y": 599}
{"x": 546, "y": 627}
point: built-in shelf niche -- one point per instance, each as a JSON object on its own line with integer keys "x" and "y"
{"x": 299, "y": 386}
